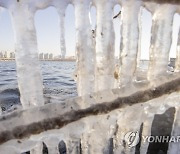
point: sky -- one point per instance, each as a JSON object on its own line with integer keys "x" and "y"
{"x": 48, "y": 31}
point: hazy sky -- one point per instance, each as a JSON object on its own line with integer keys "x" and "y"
{"x": 48, "y": 31}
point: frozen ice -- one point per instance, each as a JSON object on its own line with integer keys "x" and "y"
{"x": 129, "y": 42}
{"x": 61, "y": 8}
{"x": 140, "y": 38}
{"x": 104, "y": 78}
{"x": 84, "y": 48}
{"x": 95, "y": 72}
{"x": 27, "y": 64}
{"x": 178, "y": 54}
{"x": 161, "y": 40}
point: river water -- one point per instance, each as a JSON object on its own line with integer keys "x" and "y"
{"x": 57, "y": 81}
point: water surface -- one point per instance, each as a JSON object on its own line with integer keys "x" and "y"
{"x": 57, "y": 81}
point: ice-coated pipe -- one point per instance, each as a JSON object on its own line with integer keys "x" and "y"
{"x": 129, "y": 42}
{"x": 161, "y": 40}
{"x": 27, "y": 64}
{"x": 177, "y": 69}
{"x": 105, "y": 51}
{"x": 84, "y": 48}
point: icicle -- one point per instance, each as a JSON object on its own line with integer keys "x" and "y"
{"x": 129, "y": 42}
{"x": 105, "y": 51}
{"x": 74, "y": 146}
{"x": 177, "y": 69}
{"x": 37, "y": 149}
{"x": 62, "y": 36}
{"x": 175, "y": 147}
{"x": 52, "y": 144}
{"x": 28, "y": 70}
{"x": 84, "y": 48}
{"x": 161, "y": 40}
{"x": 61, "y": 11}
{"x": 140, "y": 39}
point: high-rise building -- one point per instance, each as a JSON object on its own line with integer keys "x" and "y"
{"x": 12, "y": 55}
{"x": 5, "y": 54}
{"x": 50, "y": 56}
{"x": 46, "y": 56}
{"x": 1, "y": 55}
{"x": 41, "y": 56}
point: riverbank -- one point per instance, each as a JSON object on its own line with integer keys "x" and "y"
{"x": 68, "y": 60}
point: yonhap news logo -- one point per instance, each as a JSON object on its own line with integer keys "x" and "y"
{"x": 133, "y": 138}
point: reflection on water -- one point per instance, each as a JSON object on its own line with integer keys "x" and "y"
{"x": 57, "y": 81}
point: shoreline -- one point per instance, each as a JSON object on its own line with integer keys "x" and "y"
{"x": 70, "y": 60}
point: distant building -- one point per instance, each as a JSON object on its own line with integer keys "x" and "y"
{"x": 58, "y": 57}
{"x": 46, "y": 56}
{"x": 51, "y": 56}
{"x": 1, "y": 55}
{"x": 5, "y": 55}
{"x": 41, "y": 56}
{"x": 70, "y": 58}
{"x": 12, "y": 55}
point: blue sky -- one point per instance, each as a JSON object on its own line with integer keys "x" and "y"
{"x": 48, "y": 31}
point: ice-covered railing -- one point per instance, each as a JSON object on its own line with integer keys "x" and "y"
{"x": 95, "y": 72}
{"x": 95, "y": 56}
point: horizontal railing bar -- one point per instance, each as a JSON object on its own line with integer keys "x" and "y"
{"x": 62, "y": 120}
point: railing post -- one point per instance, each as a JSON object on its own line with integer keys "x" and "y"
{"x": 105, "y": 52}
{"x": 61, "y": 11}
{"x": 27, "y": 64}
{"x": 161, "y": 40}
{"x": 84, "y": 48}
{"x": 140, "y": 38}
{"x": 129, "y": 42}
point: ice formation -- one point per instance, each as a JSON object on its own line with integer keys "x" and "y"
{"x": 104, "y": 46}
{"x": 129, "y": 42}
{"x": 61, "y": 8}
{"x": 27, "y": 63}
{"x": 84, "y": 48}
{"x": 94, "y": 123}
{"x": 161, "y": 40}
{"x": 140, "y": 38}
{"x": 178, "y": 54}
{"x": 96, "y": 69}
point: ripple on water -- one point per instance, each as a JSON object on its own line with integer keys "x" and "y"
{"x": 57, "y": 80}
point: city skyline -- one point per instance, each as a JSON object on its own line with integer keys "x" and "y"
{"x": 42, "y": 56}
{"x": 48, "y": 31}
